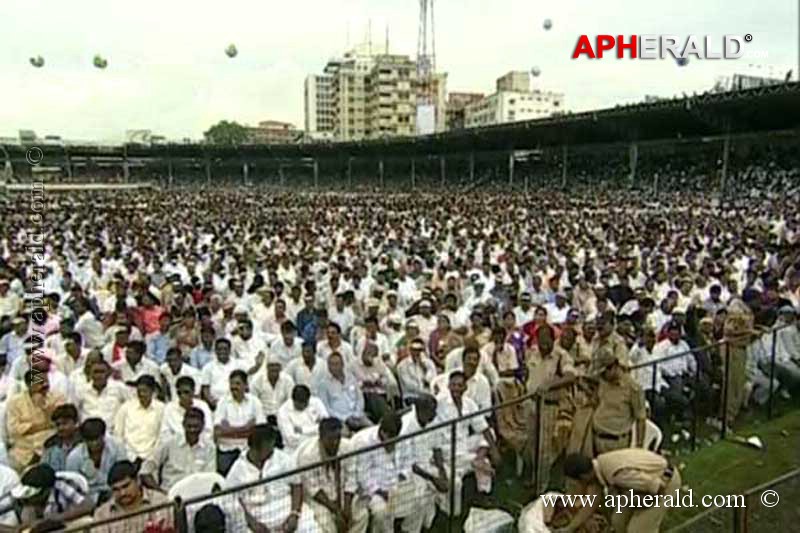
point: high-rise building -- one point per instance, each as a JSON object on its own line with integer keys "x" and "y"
{"x": 319, "y": 112}
{"x": 513, "y": 101}
{"x": 369, "y": 95}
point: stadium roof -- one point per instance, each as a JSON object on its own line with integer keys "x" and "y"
{"x": 769, "y": 108}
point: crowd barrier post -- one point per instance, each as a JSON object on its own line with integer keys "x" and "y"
{"x": 725, "y": 392}
{"x": 772, "y": 373}
{"x": 696, "y": 402}
{"x": 452, "y": 479}
{"x": 537, "y": 453}
{"x": 179, "y": 517}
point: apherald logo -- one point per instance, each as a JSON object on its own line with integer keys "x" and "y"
{"x": 658, "y": 46}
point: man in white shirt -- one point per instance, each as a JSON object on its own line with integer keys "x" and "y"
{"x": 191, "y": 452}
{"x": 250, "y": 349}
{"x": 525, "y": 311}
{"x": 272, "y": 387}
{"x": 426, "y": 322}
{"x": 478, "y": 388}
{"x": 345, "y": 514}
{"x": 289, "y": 346}
{"x": 385, "y": 476}
{"x": 475, "y": 442}
{"x": 173, "y": 369}
{"x": 236, "y": 415}
{"x": 416, "y": 372}
{"x": 10, "y": 302}
{"x": 138, "y": 422}
{"x": 299, "y": 418}
{"x": 183, "y": 401}
{"x": 334, "y": 343}
{"x": 678, "y": 373}
{"x": 277, "y": 505}
{"x": 342, "y": 316}
{"x": 88, "y": 326}
{"x": 215, "y": 374}
{"x": 103, "y": 397}
{"x": 135, "y": 365}
{"x": 301, "y": 370}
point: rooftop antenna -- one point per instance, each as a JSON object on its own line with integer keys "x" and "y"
{"x": 369, "y": 36}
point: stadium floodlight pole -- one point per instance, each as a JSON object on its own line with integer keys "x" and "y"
{"x": 245, "y": 171}
{"x": 316, "y": 173}
{"x": 564, "y": 155}
{"x": 511, "y": 169}
{"x": 443, "y": 169}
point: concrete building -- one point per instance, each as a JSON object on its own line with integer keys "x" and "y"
{"x": 513, "y": 101}
{"x": 368, "y": 95}
{"x": 390, "y": 97}
{"x": 319, "y": 111}
{"x": 273, "y": 132}
{"x": 456, "y": 107}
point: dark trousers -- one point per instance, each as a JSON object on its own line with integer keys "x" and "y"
{"x": 375, "y": 406}
{"x": 225, "y": 461}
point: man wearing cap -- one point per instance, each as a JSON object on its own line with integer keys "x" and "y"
{"x": 426, "y": 322}
{"x": 29, "y": 419}
{"x": 272, "y": 387}
{"x": 622, "y": 405}
{"x": 631, "y": 473}
{"x": 608, "y": 339}
{"x": 50, "y": 498}
{"x": 524, "y": 312}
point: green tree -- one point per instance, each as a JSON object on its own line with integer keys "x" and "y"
{"x": 225, "y": 132}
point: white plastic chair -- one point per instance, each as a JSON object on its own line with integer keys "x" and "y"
{"x": 195, "y": 485}
{"x": 652, "y": 436}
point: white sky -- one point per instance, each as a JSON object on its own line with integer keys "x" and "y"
{"x": 168, "y": 72}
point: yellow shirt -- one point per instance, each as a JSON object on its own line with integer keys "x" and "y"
{"x": 29, "y": 426}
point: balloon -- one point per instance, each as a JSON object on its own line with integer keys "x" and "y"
{"x": 682, "y": 61}
{"x": 99, "y": 62}
{"x": 548, "y": 24}
{"x": 37, "y": 61}
{"x": 231, "y": 51}
{"x": 535, "y": 71}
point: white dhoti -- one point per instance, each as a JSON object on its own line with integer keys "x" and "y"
{"x": 410, "y": 501}
{"x": 326, "y": 522}
{"x": 468, "y": 453}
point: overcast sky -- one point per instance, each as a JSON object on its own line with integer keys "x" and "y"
{"x": 167, "y": 70}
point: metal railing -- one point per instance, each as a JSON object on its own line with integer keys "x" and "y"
{"x": 348, "y": 469}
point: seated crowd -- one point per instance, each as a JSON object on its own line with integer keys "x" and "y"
{"x": 221, "y": 333}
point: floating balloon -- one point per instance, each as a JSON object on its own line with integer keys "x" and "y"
{"x": 536, "y": 71}
{"x": 99, "y": 62}
{"x": 231, "y": 51}
{"x": 682, "y": 61}
{"x": 548, "y": 24}
{"x": 37, "y": 61}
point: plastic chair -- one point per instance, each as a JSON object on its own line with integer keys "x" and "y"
{"x": 652, "y": 436}
{"x": 195, "y": 485}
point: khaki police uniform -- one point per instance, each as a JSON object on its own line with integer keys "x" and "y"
{"x": 643, "y": 472}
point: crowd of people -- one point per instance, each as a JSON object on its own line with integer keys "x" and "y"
{"x": 146, "y": 337}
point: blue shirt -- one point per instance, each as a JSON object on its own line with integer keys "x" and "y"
{"x": 304, "y": 318}
{"x": 157, "y": 347}
{"x": 343, "y": 400}
{"x": 199, "y": 356}
{"x": 55, "y": 454}
{"x": 79, "y": 461}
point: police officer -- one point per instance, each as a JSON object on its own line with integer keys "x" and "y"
{"x": 622, "y": 405}
{"x": 632, "y": 476}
